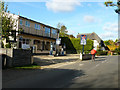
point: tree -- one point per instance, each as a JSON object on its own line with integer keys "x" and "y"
{"x": 110, "y": 3}
{"x": 63, "y": 30}
{"x": 0, "y": 26}
{"x": 110, "y": 44}
{"x": 7, "y": 25}
{"x": 116, "y": 40}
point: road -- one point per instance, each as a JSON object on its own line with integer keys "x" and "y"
{"x": 102, "y": 73}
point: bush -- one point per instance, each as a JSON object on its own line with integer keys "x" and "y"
{"x": 2, "y": 45}
{"x": 117, "y": 50}
{"x": 8, "y": 45}
{"x": 100, "y": 52}
{"x": 73, "y": 45}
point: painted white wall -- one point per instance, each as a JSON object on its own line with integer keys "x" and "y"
{"x": 95, "y": 44}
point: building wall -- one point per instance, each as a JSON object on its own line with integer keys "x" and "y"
{"x": 34, "y": 31}
{"x": 95, "y": 43}
{"x": 16, "y": 57}
{"x": 34, "y": 41}
{"x": 37, "y": 37}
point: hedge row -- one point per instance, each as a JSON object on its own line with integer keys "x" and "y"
{"x": 73, "y": 45}
{"x": 99, "y": 52}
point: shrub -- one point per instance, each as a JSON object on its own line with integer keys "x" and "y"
{"x": 73, "y": 44}
{"x": 8, "y": 45}
{"x": 100, "y": 52}
{"x": 2, "y": 45}
{"x": 117, "y": 50}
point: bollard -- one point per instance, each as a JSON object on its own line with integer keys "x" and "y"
{"x": 80, "y": 56}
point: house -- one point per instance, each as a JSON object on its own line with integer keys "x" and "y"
{"x": 33, "y": 34}
{"x": 98, "y": 42}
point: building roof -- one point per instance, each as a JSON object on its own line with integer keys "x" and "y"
{"x": 92, "y": 36}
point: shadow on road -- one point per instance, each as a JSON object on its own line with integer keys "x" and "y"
{"x": 46, "y": 78}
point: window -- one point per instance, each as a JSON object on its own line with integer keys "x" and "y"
{"x": 20, "y": 21}
{"x": 37, "y": 26}
{"x": 25, "y": 41}
{"x": 54, "y": 32}
{"x": 27, "y": 24}
{"x": 47, "y": 31}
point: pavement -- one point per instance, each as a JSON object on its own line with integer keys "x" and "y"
{"x": 47, "y": 60}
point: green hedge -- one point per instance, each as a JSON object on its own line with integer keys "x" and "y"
{"x": 117, "y": 50}
{"x": 73, "y": 45}
{"x": 99, "y": 52}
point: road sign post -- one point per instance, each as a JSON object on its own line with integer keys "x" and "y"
{"x": 83, "y": 41}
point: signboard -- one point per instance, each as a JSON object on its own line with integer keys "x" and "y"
{"x": 25, "y": 46}
{"x": 83, "y": 39}
{"x": 58, "y": 41}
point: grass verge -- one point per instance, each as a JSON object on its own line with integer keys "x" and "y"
{"x": 33, "y": 66}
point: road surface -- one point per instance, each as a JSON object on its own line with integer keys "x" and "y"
{"x": 102, "y": 73}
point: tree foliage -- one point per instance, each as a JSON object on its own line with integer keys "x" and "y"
{"x": 8, "y": 24}
{"x": 111, "y": 44}
{"x": 63, "y": 30}
{"x": 110, "y": 3}
{"x": 73, "y": 44}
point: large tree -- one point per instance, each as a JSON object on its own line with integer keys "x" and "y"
{"x": 0, "y": 26}
{"x": 110, "y": 3}
{"x": 63, "y": 29}
{"x": 7, "y": 25}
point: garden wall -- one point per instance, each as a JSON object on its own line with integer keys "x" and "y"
{"x": 16, "y": 57}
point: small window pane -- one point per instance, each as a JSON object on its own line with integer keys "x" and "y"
{"x": 35, "y": 26}
{"x": 20, "y": 21}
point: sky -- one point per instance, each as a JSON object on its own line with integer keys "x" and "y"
{"x": 78, "y": 17}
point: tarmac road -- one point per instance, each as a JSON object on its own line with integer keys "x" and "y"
{"x": 102, "y": 73}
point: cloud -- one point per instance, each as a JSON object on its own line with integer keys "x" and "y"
{"x": 89, "y": 19}
{"x": 111, "y": 27}
{"x": 62, "y": 5}
{"x": 48, "y": 0}
{"x": 109, "y": 35}
{"x": 101, "y": 4}
{"x": 71, "y": 32}
{"x": 111, "y": 31}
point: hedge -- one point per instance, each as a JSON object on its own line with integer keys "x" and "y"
{"x": 99, "y": 52}
{"x": 73, "y": 45}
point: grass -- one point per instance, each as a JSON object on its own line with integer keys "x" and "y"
{"x": 33, "y": 66}
{"x": 28, "y": 67}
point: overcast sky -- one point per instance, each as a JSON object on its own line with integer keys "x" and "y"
{"x": 78, "y": 17}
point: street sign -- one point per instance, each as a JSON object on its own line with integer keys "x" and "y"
{"x": 83, "y": 39}
{"x": 58, "y": 41}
